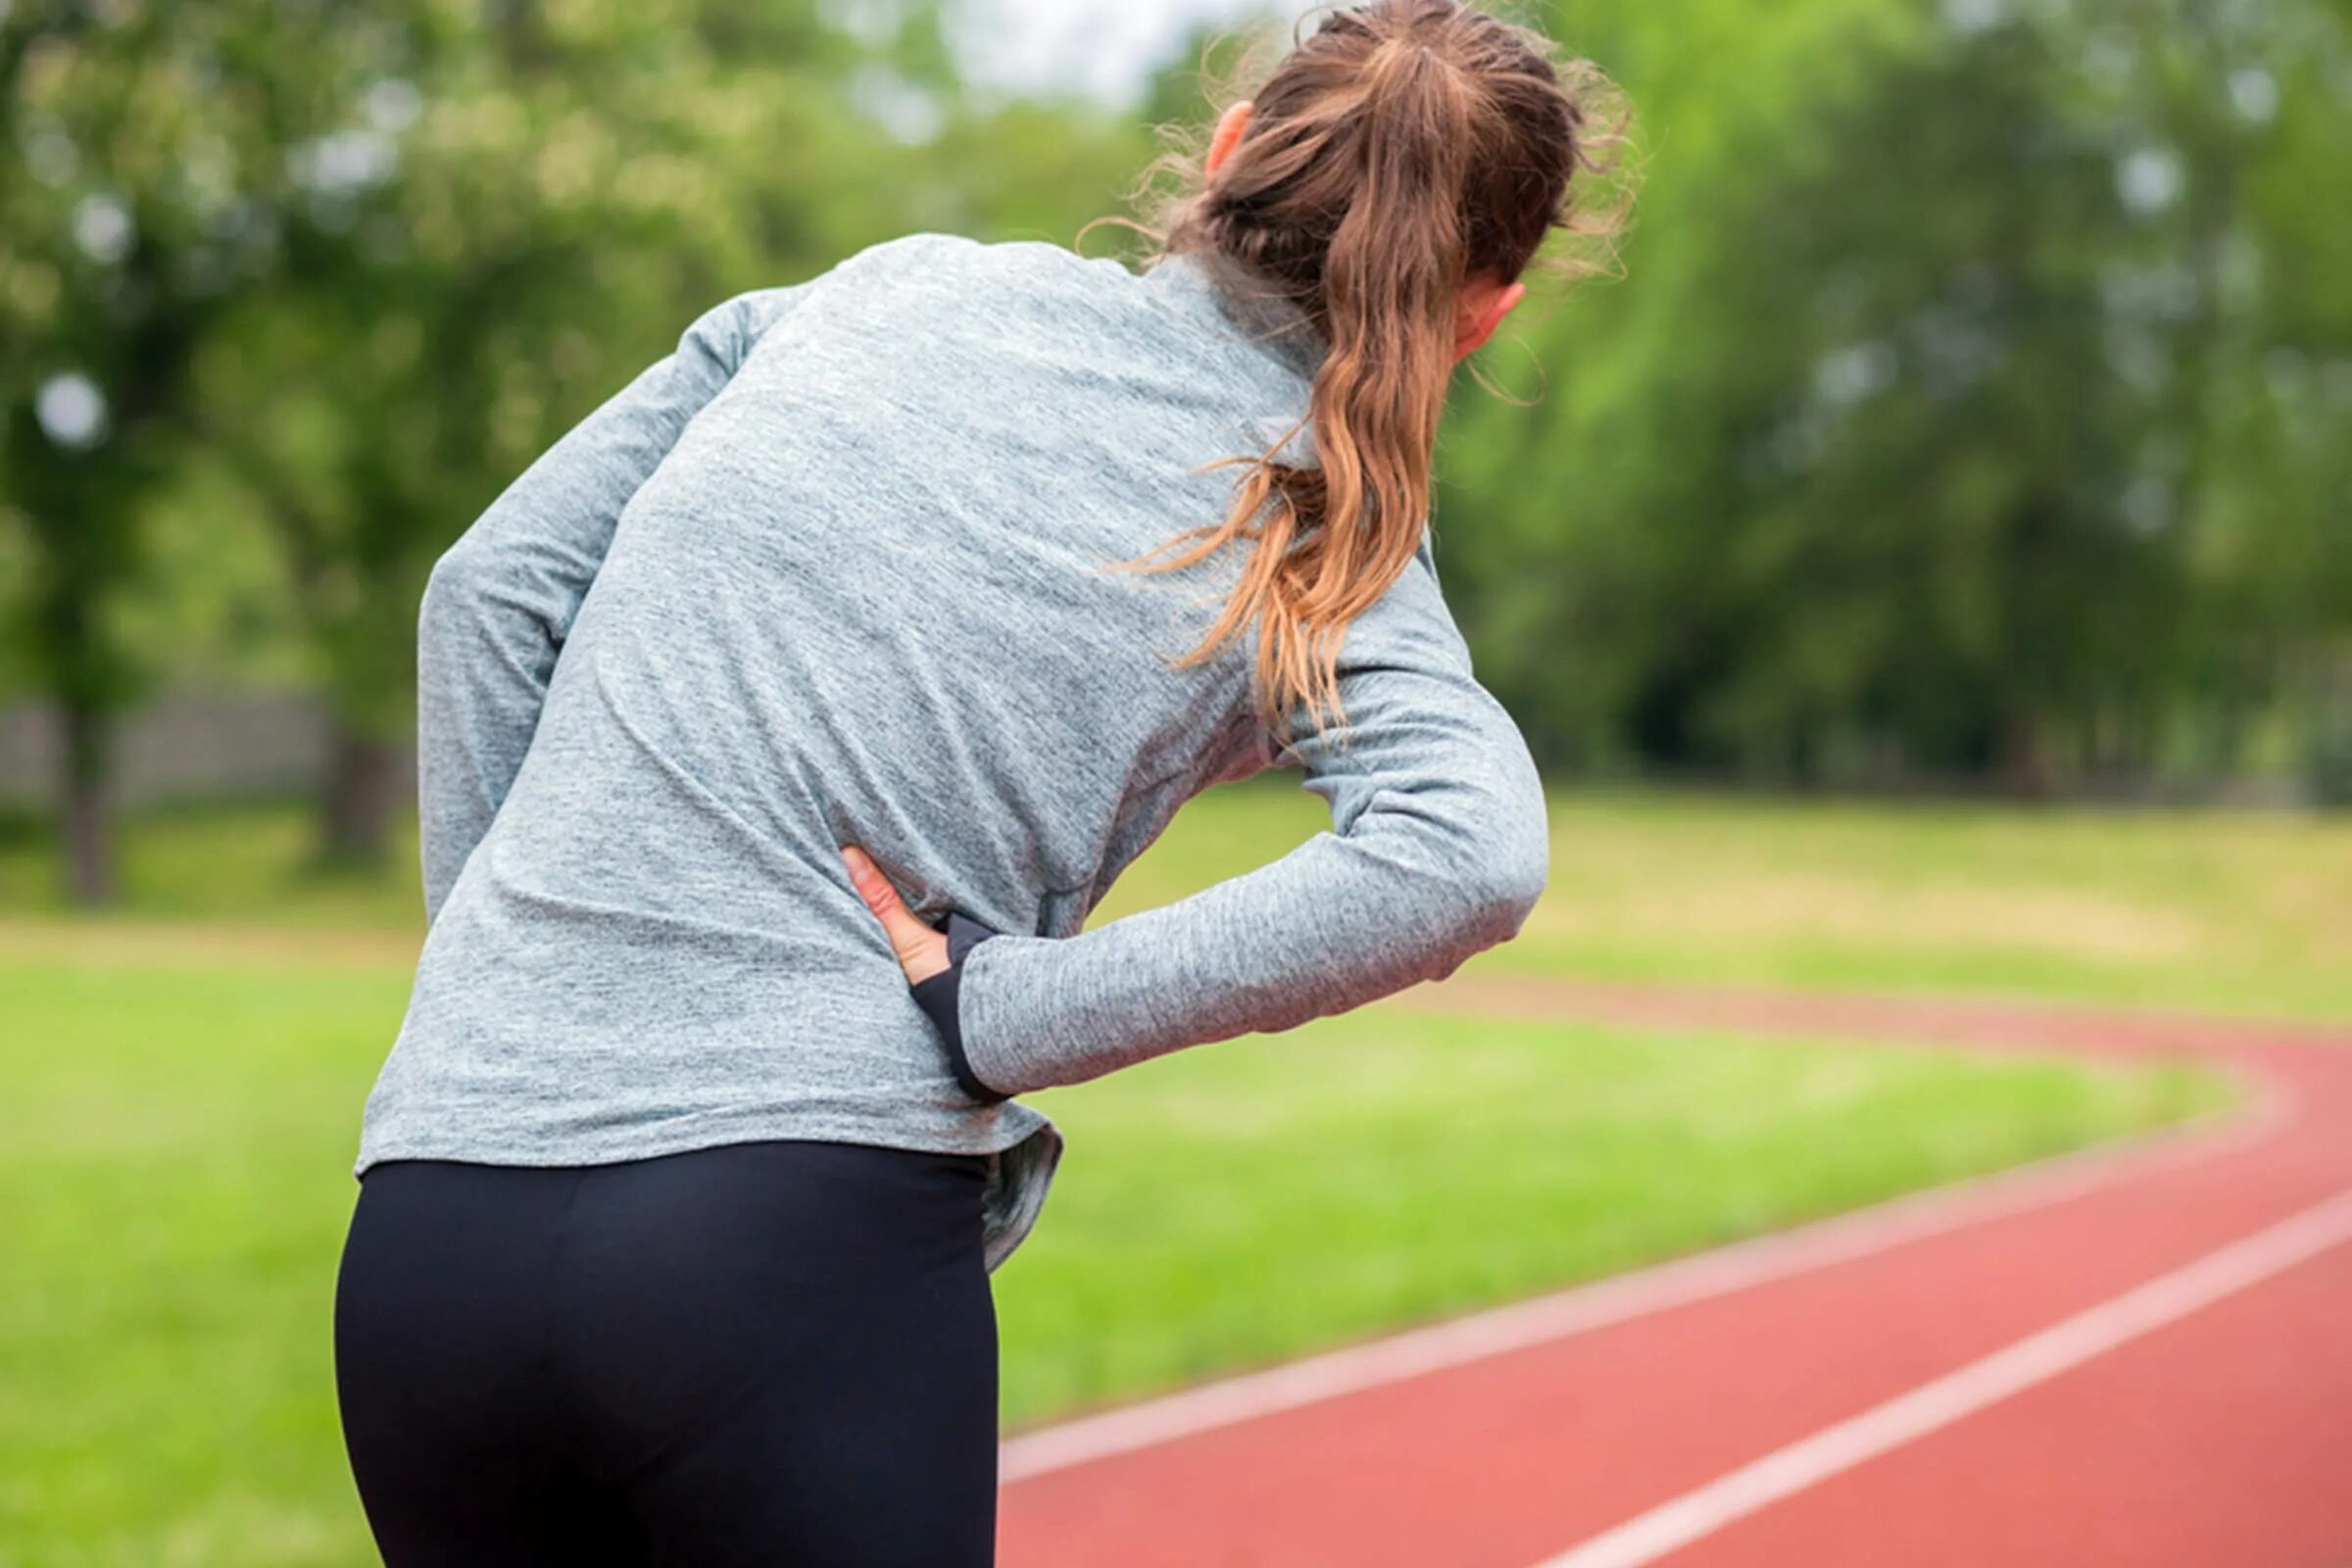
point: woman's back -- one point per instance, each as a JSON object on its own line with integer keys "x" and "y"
{"x": 856, "y": 602}
{"x": 863, "y": 599}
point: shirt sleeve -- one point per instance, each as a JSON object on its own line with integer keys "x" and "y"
{"x": 500, "y": 602}
{"x": 1439, "y": 848}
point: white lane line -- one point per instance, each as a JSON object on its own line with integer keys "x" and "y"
{"x": 2269, "y": 1107}
{"x": 1907, "y": 1417}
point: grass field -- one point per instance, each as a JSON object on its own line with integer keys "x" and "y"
{"x": 2242, "y": 912}
{"x": 2236, "y": 911}
{"x": 179, "y": 1089}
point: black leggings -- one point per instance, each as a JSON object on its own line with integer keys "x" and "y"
{"x": 782, "y": 1354}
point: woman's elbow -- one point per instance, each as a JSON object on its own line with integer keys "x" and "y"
{"x": 1516, "y": 832}
{"x": 453, "y": 586}
{"x": 1501, "y": 884}
{"x": 472, "y": 595}
{"x": 1507, "y": 889}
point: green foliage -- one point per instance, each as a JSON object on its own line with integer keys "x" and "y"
{"x": 103, "y": 299}
{"x": 526, "y": 216}
{"x": 1959, "y": 414}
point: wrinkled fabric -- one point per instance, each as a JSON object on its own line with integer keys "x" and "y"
{"x": 833, "y": 572}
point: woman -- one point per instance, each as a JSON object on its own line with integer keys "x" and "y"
{"x": 780, "y": 727}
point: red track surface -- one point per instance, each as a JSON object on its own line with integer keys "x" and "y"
{"x": 2223, "y": 1438}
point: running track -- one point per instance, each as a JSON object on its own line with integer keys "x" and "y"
{"x": 2138, "y": 1355}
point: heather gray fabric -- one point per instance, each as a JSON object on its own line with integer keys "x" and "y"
{"x": 827, "y": 575}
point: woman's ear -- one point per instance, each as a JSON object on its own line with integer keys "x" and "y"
{"x": 1230, "y": 125}
{"x": 1484, "y": 306}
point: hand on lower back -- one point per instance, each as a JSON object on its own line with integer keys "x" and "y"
{"x": 922, "y": 951}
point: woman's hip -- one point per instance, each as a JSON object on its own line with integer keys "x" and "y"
{"x": 753, "y": 1316}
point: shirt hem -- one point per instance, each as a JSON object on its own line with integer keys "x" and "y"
{"x": 1024, "y": 1144}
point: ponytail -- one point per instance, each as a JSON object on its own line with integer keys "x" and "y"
{"x": 1391, "y": 279}
{"x": 1407, "y": 145}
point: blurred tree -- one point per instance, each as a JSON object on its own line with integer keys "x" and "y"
{"x": 120, "y": 248}
{"x": 371, "y": 262}
{"x": 518, "y": 217}
{"x": 1906, "y": 448}
{"x": 2255, "y": 103}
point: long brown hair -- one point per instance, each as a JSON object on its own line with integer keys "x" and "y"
{"x": 1404, "y": 147}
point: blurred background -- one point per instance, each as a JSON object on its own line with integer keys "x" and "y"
{"x": 1927, "y": 565}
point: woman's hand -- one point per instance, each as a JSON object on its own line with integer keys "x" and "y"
{"x": 922, "y": 951}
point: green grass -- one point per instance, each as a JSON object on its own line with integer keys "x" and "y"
{"x": 2244, "y": 912}
{"x": 2240, "y": 912}
{"x": 247, "y": 865}
{"x": 181, "y": 1086}
{"x": 175, "y": 1158}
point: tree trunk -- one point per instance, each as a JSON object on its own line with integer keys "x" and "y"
{"x": 89, "y": 838}
{"x": 2026, "y": 768}
{"x": 362, "y": 792}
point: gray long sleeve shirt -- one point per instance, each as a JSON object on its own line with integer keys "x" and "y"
{"x": 832, "y": 573}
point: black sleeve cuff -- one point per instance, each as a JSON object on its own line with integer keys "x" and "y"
{"x": 937, "y": 996}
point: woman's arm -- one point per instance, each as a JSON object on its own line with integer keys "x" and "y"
{"x": 1439, "y": 849}
{"x": 501, "y": 601}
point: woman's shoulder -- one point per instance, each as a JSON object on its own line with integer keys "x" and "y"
{"x": 939, "y": 248}
{"x": 1039, "y": 289}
